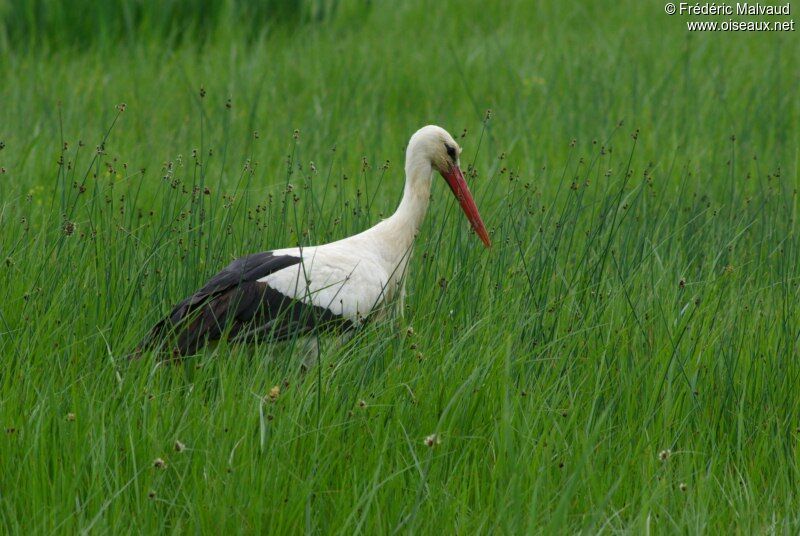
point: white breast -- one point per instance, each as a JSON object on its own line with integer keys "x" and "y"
{"x": 348, "y": 277}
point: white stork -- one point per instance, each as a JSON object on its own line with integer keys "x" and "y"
{"x": 277, "y": 294}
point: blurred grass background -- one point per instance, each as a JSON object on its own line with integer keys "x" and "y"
{"x": 624, "y": 358}
{"x": 82, "y": 24}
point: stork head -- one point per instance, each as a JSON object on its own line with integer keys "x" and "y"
{"x": 434, "y": 145}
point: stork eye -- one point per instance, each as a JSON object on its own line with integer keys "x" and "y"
{"x": 451, "y": 152}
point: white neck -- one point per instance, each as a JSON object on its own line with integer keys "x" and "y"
{"x": 398, "y": 231}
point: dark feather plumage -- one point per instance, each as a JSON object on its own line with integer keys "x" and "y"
{"x": 235, "y": 303}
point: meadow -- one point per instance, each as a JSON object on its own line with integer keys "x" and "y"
{"x": 624, "y": 359}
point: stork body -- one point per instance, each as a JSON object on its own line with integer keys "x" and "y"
{"x": 276, "y": 294}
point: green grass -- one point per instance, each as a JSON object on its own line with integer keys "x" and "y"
{"x": 639, "y": 302}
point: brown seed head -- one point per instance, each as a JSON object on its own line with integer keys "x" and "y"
{"x": 432, "y": 440}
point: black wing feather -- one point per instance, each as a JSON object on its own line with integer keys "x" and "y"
{"x": 235, "y": 298}
{"x": 242, "y": 270}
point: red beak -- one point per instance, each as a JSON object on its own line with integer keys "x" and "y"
{"x": 455, "y": 179}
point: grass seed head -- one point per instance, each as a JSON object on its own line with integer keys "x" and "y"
{"x": 664, "y": 455}
{"x": 432, "y": 440}
{"x": 70, "y": 417}
{"x": 159, "y": 463}
{"x": 179, "y": 447}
